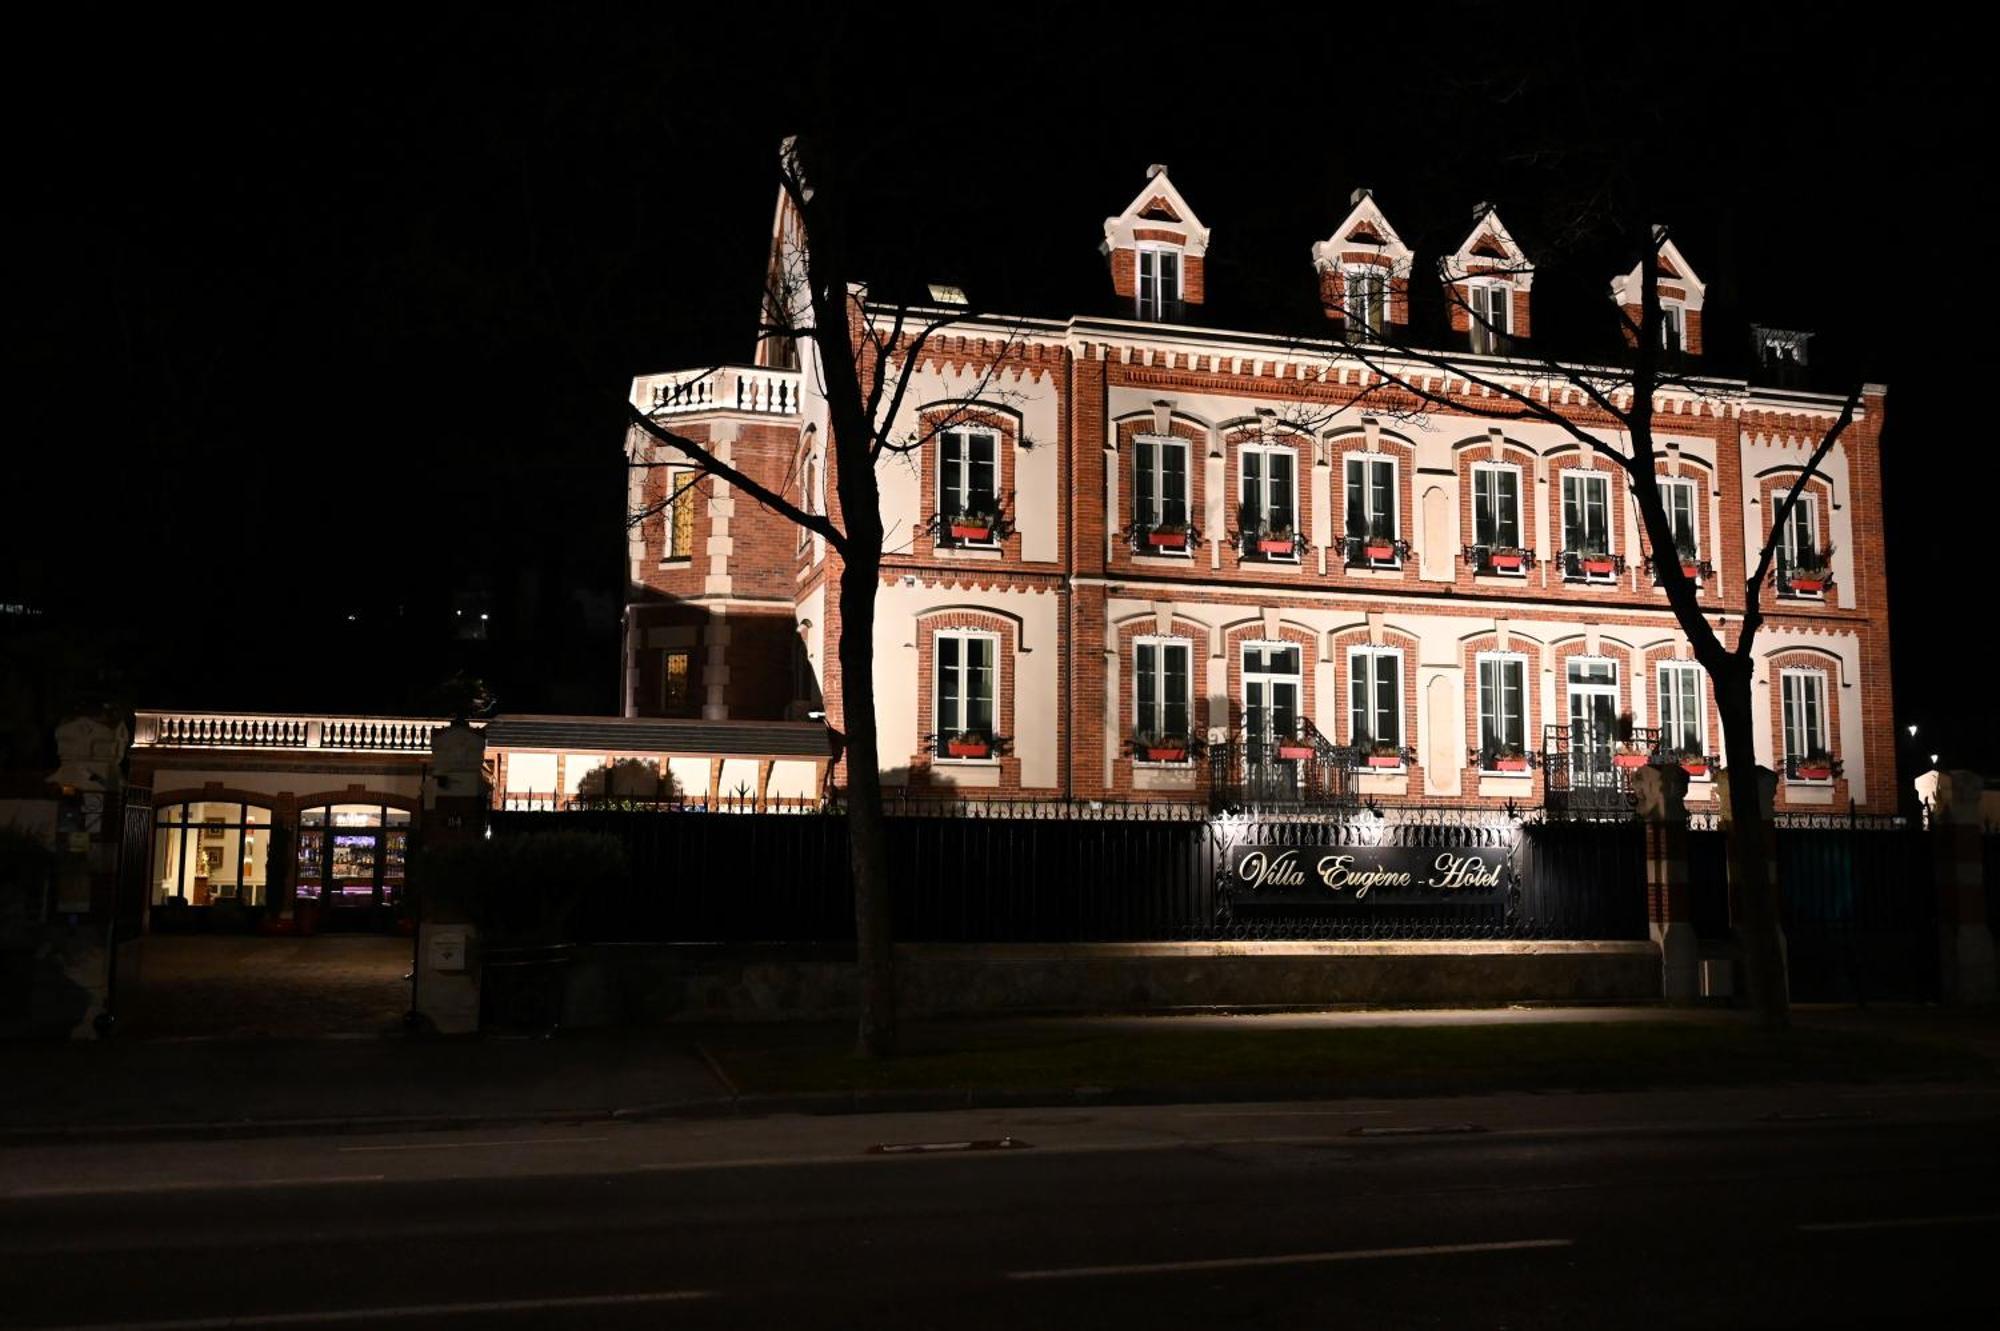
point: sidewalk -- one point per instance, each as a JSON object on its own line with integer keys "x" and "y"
{"x": 135, "y": 1089}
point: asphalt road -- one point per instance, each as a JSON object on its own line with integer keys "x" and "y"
{"x": 1716, "y": 1209}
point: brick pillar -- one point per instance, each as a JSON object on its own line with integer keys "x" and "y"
{"x": 1662, "y": 793}
{"x": 446, "y": 998}
{"x": 1965, "y": 942}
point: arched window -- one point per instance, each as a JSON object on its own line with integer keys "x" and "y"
{"x": 211, "y": 853}
{"x": 353, "y": 855}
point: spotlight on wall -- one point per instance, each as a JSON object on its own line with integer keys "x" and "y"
{"x": 1913, "y": 732}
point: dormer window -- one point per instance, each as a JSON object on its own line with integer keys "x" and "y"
{"x": 1367, "y": 301}
{"x": 1492, "y": 307}
{"x": 1673, "y": 327}
{"x": 1159, "y": 283}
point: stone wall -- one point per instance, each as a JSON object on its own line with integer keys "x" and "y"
{"x": 644, "y": 984}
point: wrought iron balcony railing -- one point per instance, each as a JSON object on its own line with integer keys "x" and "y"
{"x": 1590, "y": 566}
{"x": 1297, "y": 766}
{"x": 983, "y": 530}
{"x": 1504, "y": 560}
{"x": 1163, "y": 538}
{"x": 1819, "y": 767}
{"x": 1271, "y": 546}
{"x": 1804, "y": 581}
{"x": 1374, "y": 551}
{"x": 1699, "y": 569}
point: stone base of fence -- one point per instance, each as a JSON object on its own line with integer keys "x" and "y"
{"x": 641, "y": 984}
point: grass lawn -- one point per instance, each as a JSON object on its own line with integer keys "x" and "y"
{"x": 969, "y": 1056}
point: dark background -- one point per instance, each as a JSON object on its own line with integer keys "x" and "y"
{"x": 320, "y": 335}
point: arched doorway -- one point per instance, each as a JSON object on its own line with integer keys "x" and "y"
{"x": 353, "y": 859}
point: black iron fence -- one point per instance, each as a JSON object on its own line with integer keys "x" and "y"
{"x": 1113, "y": 873}
{"x": 1856, "y": 899}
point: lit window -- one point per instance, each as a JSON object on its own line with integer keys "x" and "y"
{"x": 1375, "y": 697}
{"x": 1503, "y": 711}
{"x": 1673, "y": 327}
{"x": 680, "y": 513}
{"x": 1587, "y": 524}
{"x": 1367, "y": 303}
{"x": 1159, "y": 283}
{"x": 1371, "y": 506}
{"x": 1160, "y": 687}
{"x": 1492, "y": 308}
{"x": 964, "y": 689}
{"x": 1683, "y": 728}
{"x": 675, "y": 693}
{"x": 968, "y": 481}
{"x": 1496, "y": 506}
{"x": 1270, "y": 495}
{"x": 1160, "y": 483}
{"x": 1806, "y": 749}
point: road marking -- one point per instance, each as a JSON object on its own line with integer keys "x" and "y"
{"x": 1287, "y": 1259}
{"x": 1417, "y": 1130}
{"x": 468, "y": 1146}
{"x": 1283, "y": 1113}
{"x": 193, "y": 1185}
{"x": 914, "y": 1148}
{"x": 407, "y": 1310}
{"x": 1909, "y": 1222}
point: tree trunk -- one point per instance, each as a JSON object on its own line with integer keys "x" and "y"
{"x": 867, "y": 836}
{"x": 1753, "y": 889}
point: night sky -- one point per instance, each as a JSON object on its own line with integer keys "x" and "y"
{"x": 322, "y": 334}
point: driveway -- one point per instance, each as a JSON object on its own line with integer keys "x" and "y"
{"x": 231, "y": 986}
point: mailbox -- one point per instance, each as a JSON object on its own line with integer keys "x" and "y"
{"x": 447, "y": 950}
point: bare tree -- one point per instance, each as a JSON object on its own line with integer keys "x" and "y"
{"x": 1613, "y": 417}
{"x": 862, "y": 355}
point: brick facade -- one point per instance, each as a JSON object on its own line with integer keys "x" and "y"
{"x": 1073, "y": 586}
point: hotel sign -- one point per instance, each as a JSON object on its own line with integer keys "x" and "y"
{"x": 1331, "y": 873}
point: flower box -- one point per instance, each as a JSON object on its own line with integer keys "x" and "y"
{"x": 1510, "y": 764}
{"x": 1167, "y": 540}
{"x": 1813, "y": 586}
{"x": 971, "y": 531}
{"x": 1690, "y": 571}
{"x": 1509, "y": 562}
{"x": 1379, "y": 550}
{"x": 1385, "y": 760}
{"x": 1815, "y": 771}
{"x": 968, "y": 748}
{"x": 1293, "y": 750}
{"x": 1274, "y": 545}
{"x": 1694, "y": 767}
{"x": 1628, "y": 760}
{"x": 1598, "y": 566}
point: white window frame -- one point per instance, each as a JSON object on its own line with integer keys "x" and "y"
{"x": 1661, "y": 693}
{"x": 1378, "y": 284}
{"x": 1372, "y": 652}
{"x": 1809, "y": 505}
{"x": 676, "y": 478}
{"x": 937, "y": 688}
{"x": 1673, "y": 325}
{"x": 1479, "y": 661}
{"x": 1823, "y": 739}
{"x": 1268, "y": 451}
{"x": 1581, "y": 477}
{"x": 1520, "y": 504}
{"x": 1158, "y": 443}
{"x": 1141, "y": 724}
{"x": 1480, "y": 308}
{"x": 1693, "y": 491}
{"x": 1395, "y": 496}
{"x": 1140, "y": 262}
{"x": 945, "y": 487}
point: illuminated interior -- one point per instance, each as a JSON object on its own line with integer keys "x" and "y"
{"x": 353, "y": 854}
{"x": 211, "y": 853}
